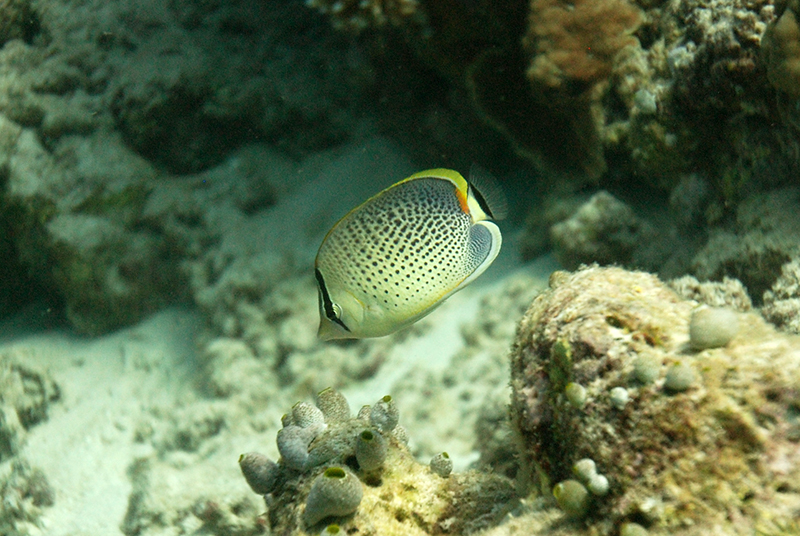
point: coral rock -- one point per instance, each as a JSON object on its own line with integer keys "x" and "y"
{"x": 396, "y": 496}
{"x": 577, "y": 41}
{"x": 781, "y": 46}
{"x": 722, "y": 454}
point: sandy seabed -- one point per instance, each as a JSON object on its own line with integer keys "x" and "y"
{"x": 113, "y": 387}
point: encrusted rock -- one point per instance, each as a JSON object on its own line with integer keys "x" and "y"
{"x": 716, "y": 435}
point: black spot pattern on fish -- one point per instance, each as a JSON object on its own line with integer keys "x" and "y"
{"x": 407, "y": 247}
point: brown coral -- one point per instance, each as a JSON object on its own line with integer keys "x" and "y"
{"x": 357, "y": 15}
{"x": 577, "y": 41}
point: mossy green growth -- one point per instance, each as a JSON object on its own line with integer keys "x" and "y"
{"x": 104, "y": 202}
{"x": 560, "y": 365}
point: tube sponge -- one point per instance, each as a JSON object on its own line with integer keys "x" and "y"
{"x": 293, "y": 444}
{"x": 384, "y": 415}
{"x": 260, "y": 472}
{"x": 333, "y": 405}
{"x": 371, "y": 450}
{"x": 305, "y": 415}
{"x": 335, "y": 492}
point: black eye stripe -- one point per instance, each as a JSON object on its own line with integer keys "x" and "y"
{"x": 327, "y": 304}
{"x": 481, "y": 201}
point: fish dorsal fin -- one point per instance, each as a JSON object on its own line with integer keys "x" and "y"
{"x": 488, "y": 193}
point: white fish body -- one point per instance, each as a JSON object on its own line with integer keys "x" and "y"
{"x": 400, "y": 254}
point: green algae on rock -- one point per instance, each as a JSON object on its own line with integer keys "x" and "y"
{"x": 359, "y": 473}
{"x": 673, "y": 459}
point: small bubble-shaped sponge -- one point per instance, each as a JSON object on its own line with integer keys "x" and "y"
{"x": 712, "y": 327}
{"x": 442, "y": 465}
{"x": 335, "y": 492}
{"x": 572, "y": 497}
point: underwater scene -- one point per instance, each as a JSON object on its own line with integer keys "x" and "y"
{"x": 400, "y": 267}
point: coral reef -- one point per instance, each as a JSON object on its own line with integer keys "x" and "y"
{"x": 781, "y": 49}
{"x": 572, "y": 48}
{"x": 603, "y": 230}
{"x": 358, "y": 15}
{"x": 25, "y": 396}
{"x": 18, "y": 20}
{"x": 707, "y": 444}
{"x": 575, "y": 43}
{"x": 726, "y": 293}
{"x": 101, "y": 103}
{"x": 782, "y": 301}
{"x": 324, "y": 476}
{"x": 764, "y": 236}
{"x": 219, "y": 81}
{"x": 86, "y": 245}
{"x": 574, "y": 86}
{"x": 24, "y": 491}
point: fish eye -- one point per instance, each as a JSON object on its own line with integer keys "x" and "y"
{"x": 335, "y": 315}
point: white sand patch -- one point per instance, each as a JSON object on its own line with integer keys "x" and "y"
{"x": 87, "y": 444}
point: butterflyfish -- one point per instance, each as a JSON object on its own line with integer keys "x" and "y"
{"x": 397, "y": 256}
